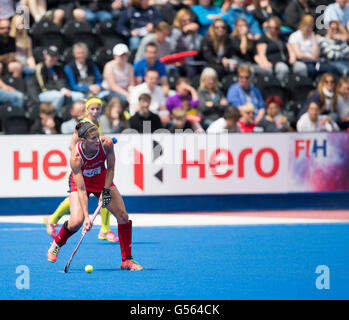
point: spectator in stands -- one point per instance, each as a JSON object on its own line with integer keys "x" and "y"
{"x": 312, "y": 121}
{"x": 77, "y": 110}
{"x": 170, "y": 9}
{"x": 238, "y": 10}
{"x": 113, "y": 119}
{"x": 273, "y": 54}
{"x": 65, "y": 10}
{"x": 52, "y": 81}
{"x": 274, "y": 120}
{"x": 304, "y": 45}
{"x": 24, "y": 49}
{"x": 145, "y": 121}
{"x": 7, "y": 9}
{"x": 338, "y": 11}
{"x": 244, "y": 92}
{"x": 246, "y": 122}
{"x": 207, "y": 13}
{"x": 118, "y": 74}
{"x": 217, "y": 49}
{"x": 10, "y": 95}
{"x": 295, "y": 10}
{"x": 334, "y": 49}
{"x": 96, "y": 11}
{"x": 159, "y": 37}
{"x": 137, "y": 21}
{"x": 325, "y": 96}
{"x": 48, "y": 122}
{"x": 179, "y": 123}
{"x": 186, "y": 97}
{"x": 212, "y": 99}
{"x": 150, "y": 86}
{"x": 150, "y": 60}
{"x": 82, "y": 74}
{"x": 8, "y": 62}
{"x": 227, "y": 123}
{"x": 262, "y": 11}
{"x": 343, "y": 102}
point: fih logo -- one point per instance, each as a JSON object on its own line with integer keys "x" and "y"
{"x": 310, "y": 147}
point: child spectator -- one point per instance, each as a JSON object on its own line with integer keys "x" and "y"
{"x": 227, "y": 123}
{"x": 179, "y": 122}
{"x": 48, "y": 122}
{"x": 113, "y": 120}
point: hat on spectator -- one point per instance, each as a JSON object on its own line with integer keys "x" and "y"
{"x": 120, "y": 49}
{"x": 51, "y": 50}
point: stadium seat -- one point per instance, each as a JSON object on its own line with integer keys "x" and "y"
{"x": 80, "y": 32}
{"x": 270, "y": 86}
{"x": 14, "y": 120}
{"x": 105, "y": 31}
{"x": 17, "y": 83}
{"x": 66, "y": 56}
{"x": 102, "y": 56}
{"x": 227, "y": 81}
{"x": 46, "y": 33}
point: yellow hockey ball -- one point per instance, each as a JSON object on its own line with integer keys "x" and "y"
{"x": 89, "y": 268}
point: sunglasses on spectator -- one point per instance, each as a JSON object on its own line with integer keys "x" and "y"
{"x": 220, "y": 27}
{"x": 249, "y": 112}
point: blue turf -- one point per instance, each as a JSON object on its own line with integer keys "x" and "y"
{"x": 225, "y": 262}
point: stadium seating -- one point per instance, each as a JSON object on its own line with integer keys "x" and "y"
{"x": 102, "y": 56}
{"x": 14, "y": 120}
{"x": 107, "y": 35}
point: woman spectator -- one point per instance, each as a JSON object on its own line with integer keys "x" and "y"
{"x": 312, "y": 121}
{"x": 343, "y": 102}
{"x": 274, "y": 121}
{"x": 246, "y": 122}
{"x": 217, "y": 49}
{"x": 113, "y": 120}
{"x": 325, "y": 96}
{"x": 273, "y": 54}
{"x": 212, "y": 99}
{"x": 304, "y": 45}
{"x": 118, "y": 74}
{"x": 186, "y": 97}
{"x": 207, "y": 13}
{"x": 24, "y": 49}
{"x": 137, "y": 21}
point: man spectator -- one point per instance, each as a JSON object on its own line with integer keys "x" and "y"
{"x": 179, "y": 122}
{"x": 150, "y": 60}
{"x": 227, "y": 123}
{"x": 48, "y": 122}
{"x": 82, "y": 74}
{"x": 145, "y": 121}
{"x": 159, "y": 37}
{"x": 52, "y": 82}
{"x": 244, "y": 92}
{"x": 150, "y": 86}
{"x": 77, "y": 111}
{"x": 338, "y": 11}
{"x": 8, "y": 61}
{"x": 10, "y": 95}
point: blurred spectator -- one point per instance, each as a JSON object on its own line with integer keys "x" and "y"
{"x": 227, "y": 123}
{"x": 305, "y": 47}
{"x": 246, "y": 121}
{"x": 150, "y": 60}
{"x": 77, "y": 110}
{"x": 52, "y": 82}
{"x": 294, "y": 12}
{"x": 62, "y": 11}
{"x": 137, "y": 21}
{"x": 150, "y": 86}
{"x": 82, "y": 74}
{"x": 212, "y": 99}
{"x": 7, "y": 9}
{"x": 273, "y": 54}
{"x": 96, "y": 10}
{"x": 24, "y": 49}
{"x": 217, "y": 49}
{"x": 186, "y": 97}
{"x": 118, "y": 74}
{"x": 312, "y": 121}
{"x": 262, "y": 11}
{"x": 238, "y": 10}
{"x": 325, "y": 96}
{"x": 179, "y": 122}
{"x": 48, "y": 122}
{"x": 338, "y": 11}
{"x": 10, "y": 95}
{"x": 113, "y": 120}
{"x": 335, "y": 50}
{"x": 145, "y": 121}
{"x": 343, "y": 102}
{"x": 274, "y": 120}
{"x": 8, "y": 62}
{"x": 159, "y": 37}
{"x": 207, "y": 13}
{"x": 244, "y": 92}
{"x": 170, "y": 9}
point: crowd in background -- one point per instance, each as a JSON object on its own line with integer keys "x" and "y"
{"x": 205, "y": 65}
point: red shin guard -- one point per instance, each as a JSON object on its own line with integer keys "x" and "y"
{"x": 125, "y": 238}
{"x": 63, "y": 235}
